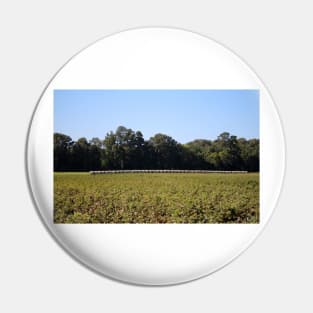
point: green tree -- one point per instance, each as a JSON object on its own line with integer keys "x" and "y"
{"x": 166, "y": 150}
{"x": 61, "y": 149}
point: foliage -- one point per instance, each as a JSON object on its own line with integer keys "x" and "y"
{"x": 127, "y": 149}
{"x": 156, "y": 198}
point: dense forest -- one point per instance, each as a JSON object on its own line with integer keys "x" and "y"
{"x": 127, "y": 149}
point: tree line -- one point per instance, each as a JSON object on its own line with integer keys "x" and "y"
{"x": 127, "y": 149}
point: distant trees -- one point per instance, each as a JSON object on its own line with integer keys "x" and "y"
{"x": 127, "y": 149}
{"x": 62, "y": 152}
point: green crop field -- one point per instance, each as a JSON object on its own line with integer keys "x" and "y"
{"x": 156, "y": 198}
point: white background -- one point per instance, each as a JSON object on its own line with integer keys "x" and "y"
{"x": 37, "y": 37}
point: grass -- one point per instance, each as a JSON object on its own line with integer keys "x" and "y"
{"x": 156, "y": 198}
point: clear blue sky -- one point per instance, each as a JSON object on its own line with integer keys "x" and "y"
{"x": 184, "y": 115}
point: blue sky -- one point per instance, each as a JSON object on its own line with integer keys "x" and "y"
{"x": 184, "y": 115}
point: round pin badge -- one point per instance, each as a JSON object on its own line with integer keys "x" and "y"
{"x": 155, "y": 156}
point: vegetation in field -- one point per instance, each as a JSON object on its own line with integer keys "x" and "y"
{"x": 127, "y": 149}
{"x": 156, "y": 198}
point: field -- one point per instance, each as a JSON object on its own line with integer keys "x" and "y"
{"x": 156, "y": 198}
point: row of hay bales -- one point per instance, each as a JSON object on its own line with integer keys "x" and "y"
{"x": 164, "y": 171}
